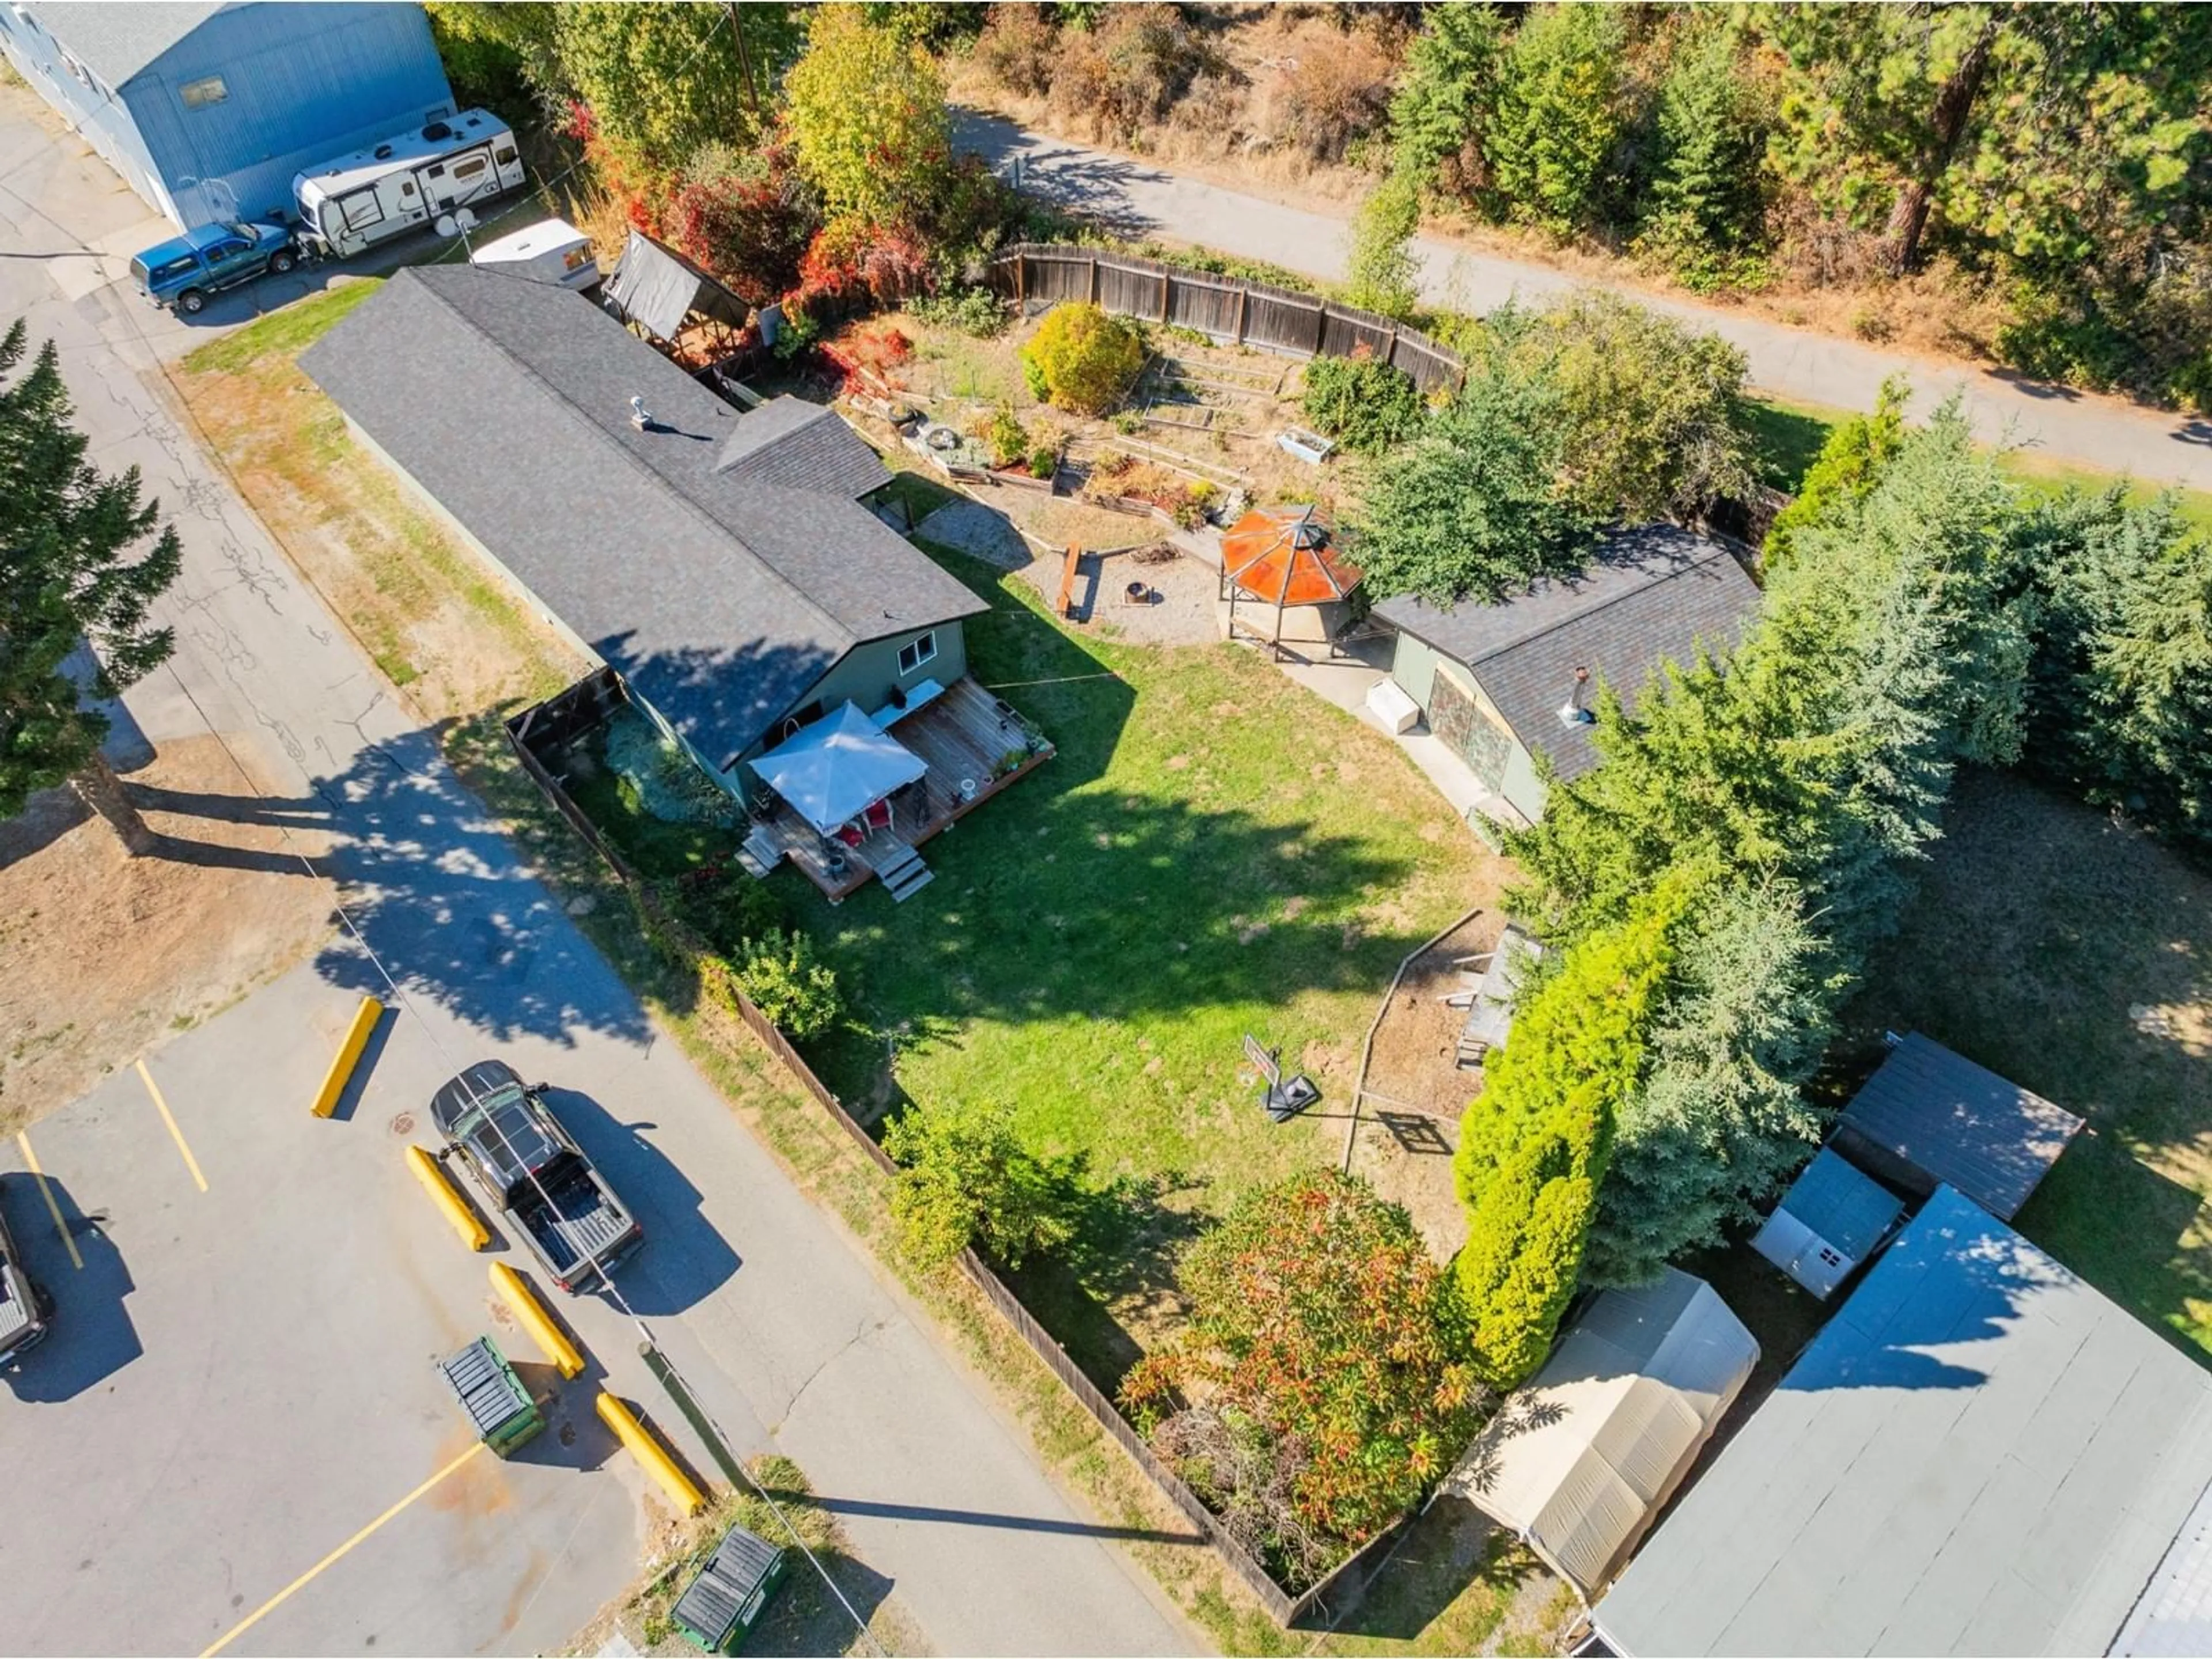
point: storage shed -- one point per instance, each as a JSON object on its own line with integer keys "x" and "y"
{"x": 1930, "y": 1116}
{"x": 208, "y": 110}
{"x": 1578, "y": 1461}
{"x": 666, "y": 298}
{"x": 1502, "y": 683}
{"x": 1833, "y": 1218}
{"x": 1978, "y": 1453}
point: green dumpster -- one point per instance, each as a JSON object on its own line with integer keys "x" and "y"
{"x": 500, "y": 1407}
{"x": 721, "y": 1603}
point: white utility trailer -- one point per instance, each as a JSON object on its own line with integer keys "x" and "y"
{"x": 400, "y": 183}
{"x": 553, "y": 252}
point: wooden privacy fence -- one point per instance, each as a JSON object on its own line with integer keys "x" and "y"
{"x": 574, "y": 711}
{"x": 1234, "y": 309}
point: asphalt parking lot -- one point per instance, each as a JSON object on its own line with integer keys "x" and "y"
{"x": 234, "y": 1436}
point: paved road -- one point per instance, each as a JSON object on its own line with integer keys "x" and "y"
{"x": 1142, "y": 199}
{"x": 791, "y": 1337}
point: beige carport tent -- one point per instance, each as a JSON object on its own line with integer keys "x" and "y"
{"x": 1580, "y": 1461}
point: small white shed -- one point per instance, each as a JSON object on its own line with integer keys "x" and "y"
{"x": 1832, "y": 1218}
{"x": 1580, "y": 1461}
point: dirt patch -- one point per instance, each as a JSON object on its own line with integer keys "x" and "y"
{"x": 1178, "y": 608}
{"x": 1415, "y": 1089}
{"x": 102, "y": 956}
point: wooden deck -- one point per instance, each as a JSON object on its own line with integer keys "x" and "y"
{"x": 961, "y": 735}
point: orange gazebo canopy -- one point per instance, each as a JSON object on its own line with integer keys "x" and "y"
{"x": 1282, "y": 555}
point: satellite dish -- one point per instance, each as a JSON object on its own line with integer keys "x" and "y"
{"x": 466, "y": 218}
{"x": 447, "y": 227}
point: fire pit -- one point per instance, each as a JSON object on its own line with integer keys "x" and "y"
{"x": 1137, "y": 593}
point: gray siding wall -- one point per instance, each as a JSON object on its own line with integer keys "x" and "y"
{"x": 307, "y": 82}
{"x": 93, "y": 108}
{"x": 304, "y": 83}
{"x": 865, "y": 674}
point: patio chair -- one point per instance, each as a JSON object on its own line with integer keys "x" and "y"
{"x": 878, "y": 816}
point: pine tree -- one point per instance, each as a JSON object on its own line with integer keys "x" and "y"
{"x": 1719, "y": 1123}
{"x": 66, "y": 531}
{"x": 1559, "y": 115}
{"x": 1705, "y": 202}
{"x": 1446, "y": 94}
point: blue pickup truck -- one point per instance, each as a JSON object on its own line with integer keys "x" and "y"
{"x": 185, "y": 269}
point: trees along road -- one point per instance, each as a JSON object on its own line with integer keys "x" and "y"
{"x": 1139, "y": 198}
{"x": 790, "y": 1337}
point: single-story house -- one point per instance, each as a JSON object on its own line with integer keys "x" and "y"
{"x": 1930, "y": 1116}
{"x": 1579, "y": 1461}
{"x": 1501, "y": 684}
{"x": 724, "y": 565}
{"x": 1978, "y": 1453}
{"x": 208, "y": 110}
{"x": 1832, "y": 1219}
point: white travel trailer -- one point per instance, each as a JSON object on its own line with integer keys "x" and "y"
{"x": 405, "y": 182}
{"x": 553, "y": 252}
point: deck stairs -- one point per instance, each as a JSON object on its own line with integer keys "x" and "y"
{"x": 902, "y": 871}
{"x": 760, "y": 853}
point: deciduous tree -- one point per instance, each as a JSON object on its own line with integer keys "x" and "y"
{"x": 968, "y": 1180}
{"x": 1322, "y": 1381}
{"x": 867, "y": 112}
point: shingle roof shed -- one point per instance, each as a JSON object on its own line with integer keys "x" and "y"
{"x": 1931, "y": 1115}
{"x": 720, "y": 591}
{"x": 1648, "y": 594}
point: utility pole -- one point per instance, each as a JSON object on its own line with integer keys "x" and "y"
{"x": 745, "y": 58}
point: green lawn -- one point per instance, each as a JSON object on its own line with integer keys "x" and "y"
{"x": 2076, "y": 958}
{"x": 281, "y": 334}
{"x": 1212, "y": 851}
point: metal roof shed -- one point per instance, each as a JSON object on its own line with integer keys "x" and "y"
{"x": 1929, "y": 1116}
{"x": 1832, "y": 1218}
{"x": 1579, "y": 1461}
{"x": 1978, "y": 1453}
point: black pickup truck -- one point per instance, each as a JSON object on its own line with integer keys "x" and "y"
{"x": 534, "y": 1173}
{"x": 24, "y": 1309}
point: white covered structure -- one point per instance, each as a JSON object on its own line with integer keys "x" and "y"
{"x": 1580, "y": 1461}
{"x": 836, "y": 768}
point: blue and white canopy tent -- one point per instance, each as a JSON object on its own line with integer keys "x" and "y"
{"x": 836, "y": 768}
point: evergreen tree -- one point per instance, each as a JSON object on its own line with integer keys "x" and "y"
{"x": 1442, "y": 109}
{"x": 1534, "y": 1148}
{"x": 1707, "y": 198}
{"x": 2122, "y": 677}
{"x": 1851, "y": 459}
{"x": 66, "y": 532}
{"x": 1559, "y": 115}
{"x": 1719, "y": 1123}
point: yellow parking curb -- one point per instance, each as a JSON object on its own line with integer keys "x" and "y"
{"x": 552, "y": 1341}
{"x": 650, "y": 1453}
{"x": 467, "y": 1222}
{"x": 349, "y": 1056}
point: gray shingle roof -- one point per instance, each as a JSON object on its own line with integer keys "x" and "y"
{"x": 1978, "y": 1454}
{"x": 1953, "y": 1122}
{"x": 721, "y": 599}
{"x": 1648, "y": 595}
{"x": 792, "y": 444}
{"x": 117, "y": 39}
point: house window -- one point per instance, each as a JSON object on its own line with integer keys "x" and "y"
{"x": 916, "y": 652}
{"x": 208, "y": 89}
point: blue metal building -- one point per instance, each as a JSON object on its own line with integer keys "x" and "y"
{"x": 208, "y": 109}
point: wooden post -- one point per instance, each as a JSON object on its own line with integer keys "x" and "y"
{"x": 1021, "y": 298}
{"x": 1321, "y": 326}
{"x": 1163, "y": 297}
{"x": 1391, "y": 350}
{"x": 1243, "y": 295}
{"x": 1093, "y": 280}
